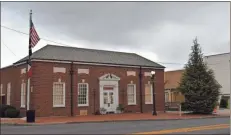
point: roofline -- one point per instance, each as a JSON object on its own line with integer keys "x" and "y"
{"x": 87, "y": 63}
{"x": 88, "y": 49}
{"x": 161, "y": 66}
{"x": 149, "y": 60}
{"x": 6, "y": 67}
{"x": 175, "y": 70}
{"x": 217, "y": 54}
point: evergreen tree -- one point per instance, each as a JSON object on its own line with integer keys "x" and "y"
{"x": 198, "y": 84}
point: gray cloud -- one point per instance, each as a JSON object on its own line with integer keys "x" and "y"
{"x": 164, "y": 28}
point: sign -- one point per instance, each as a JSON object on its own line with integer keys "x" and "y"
{"x": 108, "y": 87}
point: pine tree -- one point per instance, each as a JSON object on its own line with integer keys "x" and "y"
{"x": 198, "y": 84}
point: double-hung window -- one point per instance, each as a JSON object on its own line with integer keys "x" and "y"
{"x": 83, "y": 94}
{"x": 58, "y": 94}
{"x": 166, "y": 96}
{"x": 131, "y": 94}
{"x": 148, "y": 94}
{"x": 23, "y": 94}
{"x": 1, "y": 90}
{"x": 8, "y": 93}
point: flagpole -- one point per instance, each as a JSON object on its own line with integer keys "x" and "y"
{"x": 30, "y": 51}
{"x": 28, "y": 64}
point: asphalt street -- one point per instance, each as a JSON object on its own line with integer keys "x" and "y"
{"x": 124, "y": 127}
{"x": 210, "y": 132}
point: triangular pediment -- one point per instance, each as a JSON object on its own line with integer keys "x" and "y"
{"x": 109, "y": 77}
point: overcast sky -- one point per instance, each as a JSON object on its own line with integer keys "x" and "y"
{"x": 159, "y": 31}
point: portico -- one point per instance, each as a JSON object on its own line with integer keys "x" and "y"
{"x": 109, "y": 95}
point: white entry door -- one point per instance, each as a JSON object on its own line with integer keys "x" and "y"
{"x": 109, "y": 95}
{"x": 109, "y": 100}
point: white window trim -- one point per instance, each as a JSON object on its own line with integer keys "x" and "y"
{"x": 23, "y": 105}
{"x": 64, "y": 94}
{"x": 8, "y": 100}
{"x": 134, "y": 94}
{"x": 87, "y": 104}
{"x": 151, "y": 95}
{"x": 166, "y": 99}
{"x": 2, "y": 90}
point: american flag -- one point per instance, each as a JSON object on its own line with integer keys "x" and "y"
{"x": 34, "y": 38}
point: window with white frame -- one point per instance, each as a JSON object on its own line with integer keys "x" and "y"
{"x": 58, "y": 94}
{"x": 166, "y": 96}
{"x": 23, "y": 94}
{"x": 148, "y": 94}
{"x": 131, "y": 94}
{"x": 1, "y": 90}
{"x": 82, "y": 94}
{"x": 8, "y": 93}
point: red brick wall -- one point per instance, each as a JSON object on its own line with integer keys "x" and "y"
{"x": 43, "y": 78}
{"x": 42, "y": 82}
{"x": 159, "y": 90}
{"x": 13, "y": 75}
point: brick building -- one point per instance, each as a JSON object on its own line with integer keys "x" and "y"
{"x": 75, "y": 81}
{"x": 172, "y": 80}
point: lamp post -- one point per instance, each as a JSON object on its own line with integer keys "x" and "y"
{"x": 153, "y": 93}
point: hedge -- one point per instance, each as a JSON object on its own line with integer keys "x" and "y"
{"x": 3, "y": 109}
{"x": 12, "y": 113}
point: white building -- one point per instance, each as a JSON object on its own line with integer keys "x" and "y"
{"x": 220, "y": 64}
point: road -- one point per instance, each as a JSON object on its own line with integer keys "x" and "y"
{"x": 193, "y": 126}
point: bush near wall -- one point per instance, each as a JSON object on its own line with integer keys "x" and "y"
{"x": 12, "y": 113}
{"x": 184, "y": 106}
{"x": 223, "y": 103}
{"x": 8, "y": 111}
{"x": 229, "y": 104}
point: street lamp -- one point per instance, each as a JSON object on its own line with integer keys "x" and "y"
{"x": 153, "y": 93}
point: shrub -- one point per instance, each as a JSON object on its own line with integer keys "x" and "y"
{"x": 120, "y": 107}
{"x": 223, "y": 103}
{"x": 228, "y": 104}
{"x": 103, "y": 111}
{"x": 3, "y": 108}
{"x": 184, "y": 107}
{"x": 97, "y": 112}
{"x": 12, "y": 113}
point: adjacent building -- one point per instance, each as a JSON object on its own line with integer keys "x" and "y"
{"x": 68, "y": 81}
{"x": 220, "y": 64}
{"x": 172, "y": 80}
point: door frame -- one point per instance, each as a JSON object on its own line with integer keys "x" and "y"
{"x": 112, "y": 80}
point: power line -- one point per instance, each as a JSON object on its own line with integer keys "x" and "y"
{"x": 28, "y": 35}
{"x": 69, "y": 45}
{"x": 167, "y": 63}
{"x": 9, "y": 49}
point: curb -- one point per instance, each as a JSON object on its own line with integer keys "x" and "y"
{"x": 144, "y": 120}
{"x": 107, "y": 121}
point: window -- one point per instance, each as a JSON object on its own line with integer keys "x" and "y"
{"x": 1, "y": 90}
{"x": 23, "y": 94}
{"x": 105, "y": 97}
{"x": 82, "y": 94}
{"x": 174, "y": 96}
{"x": 148, "y": 94}
{"x": 131, "y": 94}
{"x": 166, "y": 97}
{"x": 58, "y": 94}
{"x": 8, "y": 93}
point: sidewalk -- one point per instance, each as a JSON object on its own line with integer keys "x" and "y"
{"x": 109, "y": 118}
